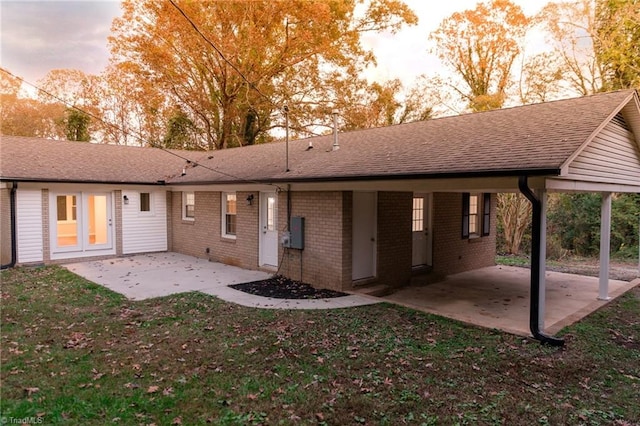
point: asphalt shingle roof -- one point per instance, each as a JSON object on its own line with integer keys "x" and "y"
{"x": 35, "y": 159}
{"x": 532, "y": 138}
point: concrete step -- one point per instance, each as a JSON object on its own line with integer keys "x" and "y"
{"x": 378, "y": 290}
{"x": 426, "y": 279}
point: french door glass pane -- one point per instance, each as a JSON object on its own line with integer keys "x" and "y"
{"x": 66, "y": 223}
{"x": 98, "y": 221}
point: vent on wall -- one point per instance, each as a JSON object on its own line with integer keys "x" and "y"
{"x": 619, "y": 120}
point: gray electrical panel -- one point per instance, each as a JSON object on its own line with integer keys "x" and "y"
{"x": 297, "y": 233}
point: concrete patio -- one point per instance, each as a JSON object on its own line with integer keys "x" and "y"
{"x": 152, "y": 275}
{"x": 498, "y": 297}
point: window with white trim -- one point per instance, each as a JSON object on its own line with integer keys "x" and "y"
{"x": 145, "y": 202}
{"x": 188, "y": 206}
{"x": 473, "y": 215}
{"x": 229, "y": 214}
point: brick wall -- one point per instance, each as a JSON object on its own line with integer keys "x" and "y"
{"x": 451, "y": 253}
{"x": 394, "y": 238}
{"x": 321, "y": 263}
{"x": 327, "y": 256}
{"x": 5, "y": 226}
{"x": 194, "y": 237}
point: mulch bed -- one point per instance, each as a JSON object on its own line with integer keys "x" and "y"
{"x": 279, "y": 287}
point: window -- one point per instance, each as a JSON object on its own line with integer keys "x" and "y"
{"x": 475, "y": 207}
{"x": 271, "y": 213}
{"x": 188, "y": 205}
{"x": 145, "y": 202}
{"x": 418, "y": 214}
{"x": 473, "y": 214}
{"x": 229, "y": 215}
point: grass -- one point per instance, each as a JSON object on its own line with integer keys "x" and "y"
{"x": 76, "y": 353}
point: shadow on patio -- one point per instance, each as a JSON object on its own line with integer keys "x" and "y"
{"x": 498, "y": 297}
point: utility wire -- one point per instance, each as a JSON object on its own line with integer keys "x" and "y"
{"x": 136, "y": 135}
{"x": 224, "y": 58}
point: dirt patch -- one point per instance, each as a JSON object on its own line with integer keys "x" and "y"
{"x": 280, "y": 287}
{"x": 591, "y": 268}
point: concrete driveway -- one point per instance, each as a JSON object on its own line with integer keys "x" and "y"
{"x": 152, "y": 275}
{"x": 498, "y": 297}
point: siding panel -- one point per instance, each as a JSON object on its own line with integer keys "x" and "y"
{"x": 29, "y": 226}
{"x": 144, "y": 231}
{"x": 612, "y": 157}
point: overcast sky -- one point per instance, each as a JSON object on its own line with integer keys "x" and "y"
{"x": 38, "y": 36}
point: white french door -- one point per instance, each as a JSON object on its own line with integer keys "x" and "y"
{"x": 81, "y": 222}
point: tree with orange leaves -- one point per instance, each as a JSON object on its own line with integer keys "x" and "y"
{"x": 231, "y": 67}
{"x": 481, "y": 45}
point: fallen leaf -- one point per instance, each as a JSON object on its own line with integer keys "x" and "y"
{"x": 31, "y": 391}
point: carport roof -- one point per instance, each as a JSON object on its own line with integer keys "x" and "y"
{"x": 534, "y": 139}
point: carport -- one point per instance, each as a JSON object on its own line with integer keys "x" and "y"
{"x": 498, "y": 297}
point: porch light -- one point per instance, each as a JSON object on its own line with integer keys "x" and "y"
{"x": 125, "y": 199}
{"x": 249, "y": 199}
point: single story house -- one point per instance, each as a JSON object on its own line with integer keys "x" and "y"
{"x": 336, "y": 211}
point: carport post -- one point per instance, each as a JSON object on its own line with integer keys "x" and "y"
{"x": 542, "y": 195}
{"x": 605, "y": 245}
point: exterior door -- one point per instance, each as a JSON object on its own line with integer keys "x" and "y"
{"x": 97, "y": 222}
{"x": 364, "y": 235}
{"x": 269, "y": 229}
{"x": 81, "y": 222}
{"x": 420, "y": 224}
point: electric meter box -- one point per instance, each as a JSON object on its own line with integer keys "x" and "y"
{"x": 296, "y": 240}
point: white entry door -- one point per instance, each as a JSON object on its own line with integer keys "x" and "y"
{"x": 420, "y": 224}
{"x": 268, "y": 229}
{"x": 364, "y": 235}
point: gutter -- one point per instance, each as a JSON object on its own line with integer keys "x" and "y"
{"x": 14, "y": 242}
{"x": 367, "y": 178}
{"x": 536, "y": 225}
{"x": 91, "y": 182}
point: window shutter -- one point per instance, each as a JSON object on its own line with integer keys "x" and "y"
{"x": 486, "y": 215}
{"x": 465, "y": 215}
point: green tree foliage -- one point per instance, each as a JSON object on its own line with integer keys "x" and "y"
{"x": 575, "y": 219}
{"x": 180, "y": 132}
{"x": 77, "y": 125}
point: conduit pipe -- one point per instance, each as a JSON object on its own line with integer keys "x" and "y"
{"x": 534, "y": 306}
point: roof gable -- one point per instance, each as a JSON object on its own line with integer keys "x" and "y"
{"x": 611, "y": 156}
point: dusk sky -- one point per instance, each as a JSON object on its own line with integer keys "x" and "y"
{"x": 38, "y": 36}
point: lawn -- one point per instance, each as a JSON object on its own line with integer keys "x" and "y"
{"x": 76, "y": 353}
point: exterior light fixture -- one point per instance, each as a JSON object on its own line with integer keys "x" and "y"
{"x": 250, "y": 199}
{"x": 125, "y": 199}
